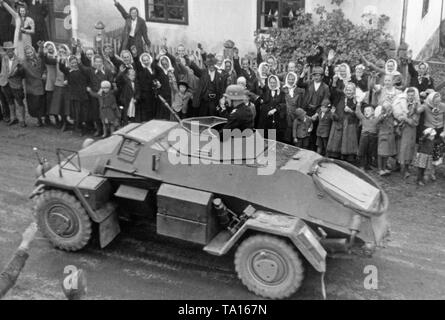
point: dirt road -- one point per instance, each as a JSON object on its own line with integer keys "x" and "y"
{"x": 139, "y": 265}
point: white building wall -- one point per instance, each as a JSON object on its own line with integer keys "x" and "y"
{"x": 420, "y": 32}
{"x": 211, "y": 23}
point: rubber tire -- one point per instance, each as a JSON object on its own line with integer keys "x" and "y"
{"x": 83, "y": 236}
{"x": 296, "y": 271}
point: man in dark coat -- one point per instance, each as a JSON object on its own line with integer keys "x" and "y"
{"x": 316, "y": 92}
{"x": 38, "y": 11}
{"x": 210, "y": 89}
{"x": 240, "y": 116}
{"x": 9, "y": 276}
{"x": 135, "y": 30}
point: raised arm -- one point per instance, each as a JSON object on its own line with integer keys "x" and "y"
{"x": 122, "y": 10}
{"x": 359, "y": 113}
{"x": 9, "y": 9}
{"x": 63, "y": 68}
{"x": 372, "y": 65}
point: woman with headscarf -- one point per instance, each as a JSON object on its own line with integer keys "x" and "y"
{"x": 434, "y": 112}
{"x": 420, "y": 77}
{"x": 164, "y": 70}
{"x": 263, "y": 75}
{"x": 408, "y": 130}
{"x": 339, "y": 81}
{"x": 343, "y": 141}
{"x": 273, "y": 113}
{"x": 111, "y": 63}
{"x": 294, "y": 100}
{"x": 24, "y": 27}
{"x": 60, "y": 102}
{"x": 48, "y": 49}
{"x": 34, "y": 86}
{"x": 228, "y": 73}
{"x": 146, "y": 106}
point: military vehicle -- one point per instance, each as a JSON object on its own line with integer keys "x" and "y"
{"x": 302, "y": 208}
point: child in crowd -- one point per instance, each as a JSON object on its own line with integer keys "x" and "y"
{"x": 302, "y": 129}
{"x": 182, "y": 98}
{"x": 324, "y": 117}
{"x": 424, "y": 157}
{"x": 368, "y": 141}
{"x": 386, "y": 138}
{"x": 109, "y": 111}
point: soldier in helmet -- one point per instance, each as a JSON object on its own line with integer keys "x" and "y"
{"x": 236, "y": 107}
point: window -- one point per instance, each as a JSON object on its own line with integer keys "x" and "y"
{"x": 278, "y": 13}
{"x": 426, "y": 7}
{"x": 167, "y": 11}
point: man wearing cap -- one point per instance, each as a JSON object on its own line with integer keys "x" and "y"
{"x": 316, "y": 92}
{"x": 11, "y": 84}
{"x": 236, "y": 107}
{"x": 210, "y": 88}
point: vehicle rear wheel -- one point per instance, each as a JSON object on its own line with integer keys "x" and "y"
{"x": 63, "y": 220}
{"x": 269, "y": 267}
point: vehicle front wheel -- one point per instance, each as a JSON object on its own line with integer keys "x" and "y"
{"x": 63, "y": 220}
{"x": 269, "y": 267}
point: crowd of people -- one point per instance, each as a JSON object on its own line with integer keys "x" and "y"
{"x": 364, "y": 114}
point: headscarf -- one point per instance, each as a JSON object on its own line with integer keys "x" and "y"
{"x": 50, "y": 43}
{"x": 67, "y": 49}
{"x": 127, "y": 51}
{"x": 417, "y": 95}
{"x": 35, "y": 61}
{"x": 348, "y": 73}
{"x": 170, "y": 66}
{"x": 151, "y": 61}
{"x": 278, "y": 83}
{"x": 219, "y": 57}
{"x": 224, "y": 65}
{"x": 287, "y": 85}
{"x": 395, "y": 72}
{"x": 260, "y": 70}
{"x": 275, "y": 62}
{"x": 429, "y": 100}
{"x": 427, "y": 71}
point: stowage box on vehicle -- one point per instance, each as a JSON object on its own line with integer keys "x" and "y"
{"x": 186, "y": 214}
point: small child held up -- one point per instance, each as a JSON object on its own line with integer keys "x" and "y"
{"x": 324, "y": 117}
{"x": 302, "y": 128}
{"x": 109, "y": 111}
{"x": 367, "y": 150}
{"x": 386, "y": 138}
{"x": 424, "y": 157}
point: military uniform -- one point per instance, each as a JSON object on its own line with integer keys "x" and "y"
{"x": 241, "y": 118}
